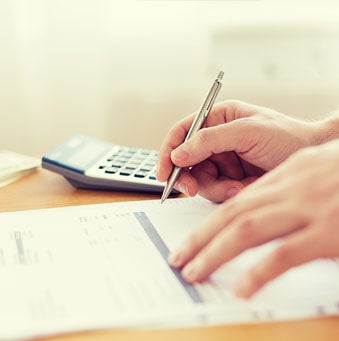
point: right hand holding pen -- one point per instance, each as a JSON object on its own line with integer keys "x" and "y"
{"x": 239, "y": 143}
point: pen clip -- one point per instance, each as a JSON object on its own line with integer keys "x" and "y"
{"x": 206, "y": 107}
{"x": 211, "y": 97}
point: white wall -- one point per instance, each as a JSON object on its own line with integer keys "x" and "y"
{"x": 125, "y": 71}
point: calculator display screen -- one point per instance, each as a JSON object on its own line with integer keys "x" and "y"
{"x": 78, "y": 153}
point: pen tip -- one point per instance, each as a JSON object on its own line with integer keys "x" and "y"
{"x": 220, "y": 74}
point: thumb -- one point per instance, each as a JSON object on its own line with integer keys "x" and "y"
{"x": 209, "y": 141}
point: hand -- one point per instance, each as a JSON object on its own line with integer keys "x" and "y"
{"x": 297, "y": 202}
{"x": 239, "y": 143}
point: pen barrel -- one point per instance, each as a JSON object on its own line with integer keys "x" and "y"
{"x": 205, "y": 109}
{"x": 174, "y": 177}
{"x": 197, "y": 124}
{"x": 170, "y": 183}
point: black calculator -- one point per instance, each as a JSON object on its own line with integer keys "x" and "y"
{"x": 90, "y": 163}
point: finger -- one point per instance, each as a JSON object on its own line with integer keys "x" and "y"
{"x": 213, "y": 140}
{"x": 221, "y": 217}
{"x": 249, "y": 180}
{"x": 173, "y": 139}
{"x": 228, "y": 165}
{"x": 294, "y": 251}
{"x": 186, "y": 184}
{"x": 231, "y": 110}
{"x": 210, "y": 186}
{"x": 275, "y": 177}
{"x": 246, "y": 232}
{"x": 250, "y": 169}
{"x": 203, "y": 179}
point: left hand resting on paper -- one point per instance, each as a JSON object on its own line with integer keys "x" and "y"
{"x": 297, "y": 202}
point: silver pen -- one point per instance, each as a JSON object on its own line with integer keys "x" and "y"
{"x": 196, "y": 125}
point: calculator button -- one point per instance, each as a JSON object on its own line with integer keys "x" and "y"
{"x": 125, "y": 173}
{"x": 126, "y": 155}
{"x": 122, "y": 160}
{"x": 110, "y": 171}
{"x": 152, "y": 177}
{"x": 132, "y": 165}
{"x": 145, "y": 169}
{"x": 141, "y": 174}
{"x": 117, "y": 164}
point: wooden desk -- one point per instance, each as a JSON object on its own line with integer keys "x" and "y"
{"x": 44, "y": 189}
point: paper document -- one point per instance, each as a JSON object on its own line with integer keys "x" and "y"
{"x": 14, "y": 165}
{"x": 104, "y": 266}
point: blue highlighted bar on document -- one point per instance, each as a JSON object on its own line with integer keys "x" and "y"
{"x": 157, "y": 241}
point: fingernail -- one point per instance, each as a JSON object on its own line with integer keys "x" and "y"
{"x": 175, "y": 259}
{"x": 232, "y": 192}
{"x": 189, "y": 273}
{"x": 183, "y": 188}
{"x": 243, "y": 288}
{"x": 180, "y": 154}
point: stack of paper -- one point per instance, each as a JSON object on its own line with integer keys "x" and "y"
{"x": 15, "y": 165}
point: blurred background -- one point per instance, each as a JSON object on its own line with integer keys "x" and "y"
{"x": 125, "y": 71}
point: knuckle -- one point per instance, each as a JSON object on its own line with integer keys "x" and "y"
{"x": 203, "y": 136}
{"x": 246, "y": 125}
{"x": 283, "y": 255}
{"x": 246, "y": 229}
{"x": 193, "y": 242}
{"x": 233, "y": 103}
{"x": 175, "y": 129}
{"x": 209, "y": 139}
{"x": 228, "y": 208}
{"x": 205, "y": 260}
